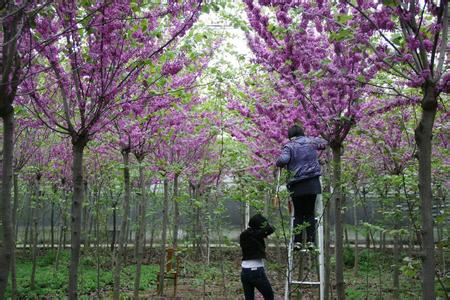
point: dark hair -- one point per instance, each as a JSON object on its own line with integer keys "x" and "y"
{"x": 295, "y": 131}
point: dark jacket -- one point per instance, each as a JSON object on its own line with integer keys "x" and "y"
{"x": 252, "y": 239}
{"x": 299, "y": 156}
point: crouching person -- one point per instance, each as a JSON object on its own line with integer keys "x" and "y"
{"x": 253, "y": 254}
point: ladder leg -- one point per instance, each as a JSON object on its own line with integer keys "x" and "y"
{"x": 287, "y": 286}
{"x": 320, "y": 213}
{"x": 313, "y": 256}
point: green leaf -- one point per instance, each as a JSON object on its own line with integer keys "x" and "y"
{"x": 343, "y": 19}
{"x": 341, "y": 35}
{"x": 205, "y": 9}
{"x": 398, "y": 39}
{"x": 361, "y": 78}
{"x": 391, "y": 3}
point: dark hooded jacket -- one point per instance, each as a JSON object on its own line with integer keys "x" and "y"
{"x": 252, "y": 239}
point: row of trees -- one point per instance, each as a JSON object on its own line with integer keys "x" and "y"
{"x": 121, "y": 103}
{"x": 331, "y": 66}
{"x": 90, "y": 70}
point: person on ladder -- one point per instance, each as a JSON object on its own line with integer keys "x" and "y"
{"x": 299, "y": 156}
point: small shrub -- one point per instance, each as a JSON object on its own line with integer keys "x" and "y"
{"x": 349, "y": 257}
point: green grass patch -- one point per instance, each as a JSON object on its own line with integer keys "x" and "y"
{"x": 51, "y": 283}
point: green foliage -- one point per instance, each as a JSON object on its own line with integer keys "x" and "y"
{"x": 349, "y": 257}
{"x": 51, "y": 283}
{"x": 411, "y": 267}
{"x": 354, "y": 294}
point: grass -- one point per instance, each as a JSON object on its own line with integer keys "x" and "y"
{"x": 51, "y": 283}
{"x": 373, "y": 281}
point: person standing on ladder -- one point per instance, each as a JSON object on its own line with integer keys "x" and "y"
{"x": 299, "y": 156}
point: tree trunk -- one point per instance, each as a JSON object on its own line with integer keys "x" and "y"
{"x": 97, "y": 242}
{"x": 14, "y": 222}
{"x": 162, "y": 260}
{"x": 340, "y": 287}
{"x": 152, "y": 236}
{"x": 43, "y": 218}
{"x": 119, "y": 255}
{"x": 77, "y": 204}
{"x": 25, "y": 215}
{"x": 140, "y": 246}
{"x": 52, "y": 226}
{"x": 175, "y": 211}
{"x": 34, "y": 256}
{"x": 396, "y": 267}
{"x": 64, "y": 217}
{"x": 356, "y": 252}
{"x": 85, "y": 217}
{"x": 347, "y": 242}
{"x": 34, "y": 234}
{"x": 327, "y": 242}
{"x": 60, "y": 246}
{"x": 113, "y": 238}
{"x": 423, "y": 137}
{"x": 7, "y": 247}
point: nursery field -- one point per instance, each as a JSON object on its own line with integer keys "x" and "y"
{"x": 219, "y": 279}
{"x": 298, "y": 147}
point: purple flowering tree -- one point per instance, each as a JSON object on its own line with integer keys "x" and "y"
{"x": 321, "y": 71}
{"x": 91, "y": 63}
{"x": 14, "y": 61}
{"x": 410, "y": 42}
{"x": 144, "y": 115}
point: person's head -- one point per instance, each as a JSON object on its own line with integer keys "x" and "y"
{"x": 257, "y": 221}
{"x": 295, "y": 131}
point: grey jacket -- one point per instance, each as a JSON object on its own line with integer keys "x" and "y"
{"x": 299, "y": 156}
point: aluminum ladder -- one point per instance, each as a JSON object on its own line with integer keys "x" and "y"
{"x": 319, "y": 209}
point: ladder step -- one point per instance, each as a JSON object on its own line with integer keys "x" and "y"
{"x": 305, "y": 282}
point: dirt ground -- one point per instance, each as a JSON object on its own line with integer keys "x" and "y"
{"x": 190, "y": 287}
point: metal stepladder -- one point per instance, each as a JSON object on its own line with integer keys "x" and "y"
{"x": 319, "y": 209}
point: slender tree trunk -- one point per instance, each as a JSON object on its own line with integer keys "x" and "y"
{"x": 152, "y": 236}
{"x": 340, "y": 287}
{"x": 113, "y": 238}
{"x": 90, "y": 227}
{"x": 423, "y": 137}
{"x": 368, "y": 240}
{"x": 65, "y": 228}
{"x": 27, "y": 229}
{"x": 347, "y": 242}
{"x": 34, "y": 234}
{"x": 162, "y": 260}
{"x": 64, "y": 218}
{"x": 97, "y": 242}
{"x": 34, "y": 256}
{"x": 119, "y": 255}
{"x": 327, "y": 242}
{"x": 176, "y": 212}
{"x": 356, "y": 252}
{"x": 43, "y": 218}
{"x": 396, "y": 267}
{"x": 14, "y": 222}
{"x": 60, "y": 246}
{"x": 77, "y": 204}
{"x": 7, "y": 247}
{"x": 52, "y": 225}
{"x": 85, "y": 217}
{"x": 140, "y": 246}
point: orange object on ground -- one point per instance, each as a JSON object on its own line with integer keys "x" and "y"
{"x": 172, "y": 268}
